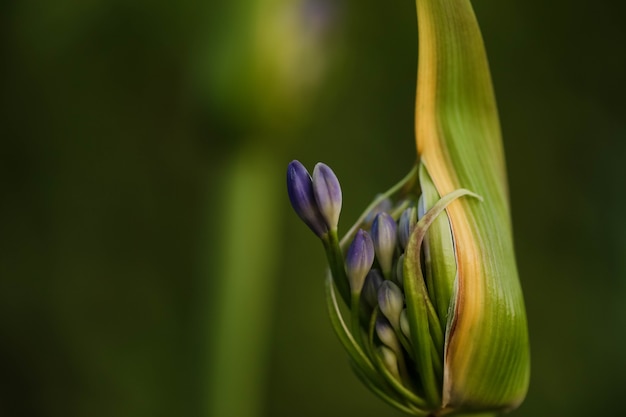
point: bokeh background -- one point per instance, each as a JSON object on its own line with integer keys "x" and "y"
{"x": 150, "y": 264}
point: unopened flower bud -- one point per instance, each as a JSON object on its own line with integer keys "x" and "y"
{"x": 327, "y": 193}
{"x": 405, "y": 225}
{"x": 384, "y": 237}
{"x": 373, "y": 281}
{"x": 300, "y": 190}
{"x": 359, "y": 260}
{"x": 386, "y": 334}
{"x": 391, "y": 302}
{"x": 390, "y": 360}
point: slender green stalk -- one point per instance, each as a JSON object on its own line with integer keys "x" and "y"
{"x": 239, "y": 326}
{"x": 334, "y": 254}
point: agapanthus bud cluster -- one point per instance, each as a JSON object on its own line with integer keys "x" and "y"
{"x": 397, "y": 280}
{"x": 367, "y": 268}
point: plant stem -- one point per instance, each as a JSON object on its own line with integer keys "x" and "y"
{"x": 246, "y": 236}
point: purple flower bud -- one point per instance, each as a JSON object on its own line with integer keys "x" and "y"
{"x": 384, "y": 237}
{"x": 391, "y": 302}
{"x": 327, "y": 194}
{"x": 373, "y": 281}
{"x": 300, "y": 190}
{"x": 407, "y": 222}
{"x": 359, "y": 260}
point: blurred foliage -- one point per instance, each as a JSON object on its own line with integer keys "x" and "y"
{"x": 113, "y": 146}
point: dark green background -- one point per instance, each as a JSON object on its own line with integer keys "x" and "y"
{"x": 115, "y": 142}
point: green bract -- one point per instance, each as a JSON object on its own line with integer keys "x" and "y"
{"x": 448, "y": 334}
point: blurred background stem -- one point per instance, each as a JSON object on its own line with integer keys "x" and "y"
{"x": 239, "y": 327}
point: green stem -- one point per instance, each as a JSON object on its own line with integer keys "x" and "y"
{"x": 334, "y": 254}
{"x": 355, "y": 320}
{"x": 245, "y": 233}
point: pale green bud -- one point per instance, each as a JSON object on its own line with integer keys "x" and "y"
{"x": 391, "y": 302}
